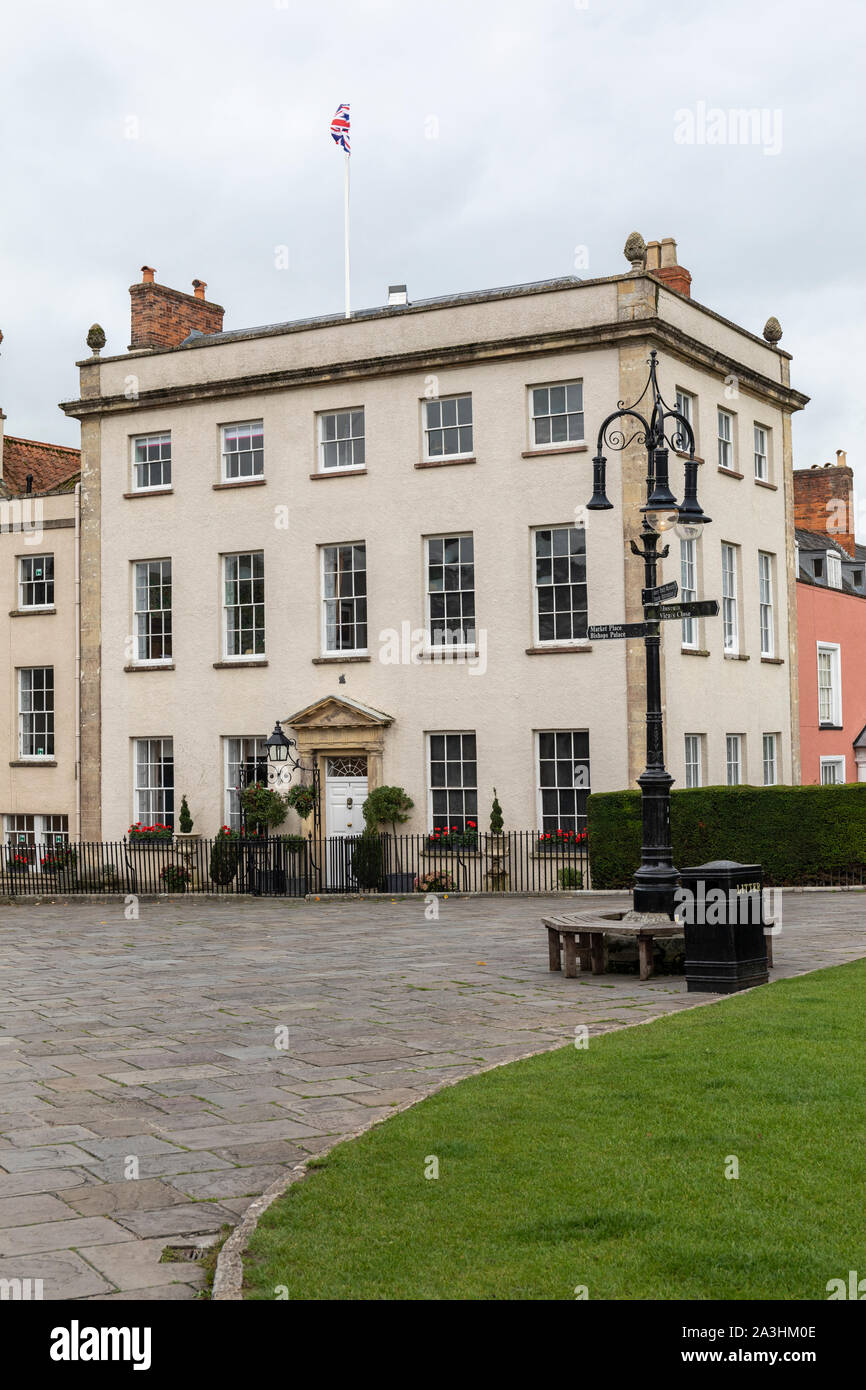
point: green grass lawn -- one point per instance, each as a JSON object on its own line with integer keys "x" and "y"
{"x": 606, "y": 1168}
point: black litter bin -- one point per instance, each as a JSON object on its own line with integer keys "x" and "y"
{"x": 722, "y": 910}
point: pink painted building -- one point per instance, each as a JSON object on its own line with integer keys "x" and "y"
{"x": 831, "y": 627}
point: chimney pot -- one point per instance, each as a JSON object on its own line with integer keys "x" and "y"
{"x": 199, "y": 287}
{"x": 147, "y": 274}
{"x": 653, "y": 255}
{"x": 668, "y": 251}
{"x": 842, "y": 458}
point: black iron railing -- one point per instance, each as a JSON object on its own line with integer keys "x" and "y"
{"x": 521, "y": 861}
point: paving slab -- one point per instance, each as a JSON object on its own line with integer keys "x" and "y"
{"x": 155, "y": 1039}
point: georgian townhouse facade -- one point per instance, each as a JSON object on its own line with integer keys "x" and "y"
{"x": 374, "y": 532}
{"x": 38, "y": 603}
{"x": 831, "y": 617}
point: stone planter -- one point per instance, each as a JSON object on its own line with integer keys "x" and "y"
{"x": 187, "y": 845}
{"x": 496, "y": 849}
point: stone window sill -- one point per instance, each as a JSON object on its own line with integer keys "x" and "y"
{"x": 34, "y": 762}
{"x": 30, "y": 612}
{"x": 239, "y": 664}
{"x": 773, "y": 487}
{"x": 837, "y": 727}
{"x": 554, "y": 648}
{"x": 683, "y": 454}
{"x": 550, "y": 453}
{"x": 772, "y": 661}
{"x": 443, "y": 463}
{"x": 730, "y": 472}
{"x": 339, "y": 473}
{"x": 150, "y": 492}
{"x": 736, "y": 656}
{"x": 154, "y": 666}
{"x": 694, "y": 651}
{"x": 338, "y": 660}
{"x": 239, "y": 482}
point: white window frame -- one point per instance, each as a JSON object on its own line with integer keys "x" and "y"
{"x": 233, "y": 433}
{"x": 238, "y": 555}
{"x": 725, "y": 437}
{"x": 32, "y": 560}
{"x": 580, "y": 778}
{"x": 770, "y": 764}
{"x": 566, "y": 414}
{"x": 166, "y": 754}
{"x": 162, "y": 437}
{"x": 694, "y": 766}
{"x": 357, "y": 441}
{"x": 447, "y": 645}
{"x": 686, "y": 405}
{"x": 37, "y": 835}
{"x": 48, "y": 713}
{"x": 336, "y": 599}
{"x": 428, "y": 429}
{"x": 837, "y": 761}
{"x": 766, "y": 582}
{"x": 733, "y": 745}
{"x": 833, "y": 570}
{"x": 762, "y": 436}
{"x": 538, "y": 588}
{"x": 250, "y": 748}
{"x": 140, "y": 616}
{"x": 834, "y": 652}
{"x": 689, "y": 589}
{"x": 464, "y": 788}
{"x": 730, "y": 605}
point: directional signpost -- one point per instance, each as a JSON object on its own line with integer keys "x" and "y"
{"x": 608, "y": 630}
{"x": 695, "y": 608}
{"x": 651, "y": 598}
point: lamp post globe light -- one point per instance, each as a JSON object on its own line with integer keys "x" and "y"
{"x": 658, "y": 428}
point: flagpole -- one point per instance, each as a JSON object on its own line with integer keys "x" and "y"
{"x": 348, "y": 310}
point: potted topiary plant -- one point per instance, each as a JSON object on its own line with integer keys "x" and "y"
{"x": 368, "y": 860}
{"x": 294, "y": 851}
{"x": 497, "y": 850}
{"x": 264, "y": 809}
{"x": 390, "y": 806}
{"x": 224, "y": 857}
{"x": 187, "y": 840}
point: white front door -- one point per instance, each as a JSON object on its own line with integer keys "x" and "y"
{"x": 345, "y": 794}
{"x": 344, "y": 805}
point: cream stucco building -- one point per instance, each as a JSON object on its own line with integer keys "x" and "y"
{"x": 39, "y": 604}
{"x": 288, "y": 523}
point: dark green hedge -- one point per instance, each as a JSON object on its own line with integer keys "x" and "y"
{"x": 801, "y": 835}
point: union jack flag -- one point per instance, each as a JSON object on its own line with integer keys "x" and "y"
{"x": 340, "y": 126}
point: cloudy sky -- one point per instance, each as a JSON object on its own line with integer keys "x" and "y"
{"x": 490, "y": 139}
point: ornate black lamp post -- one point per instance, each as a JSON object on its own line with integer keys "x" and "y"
{"x": 656, "y": 879}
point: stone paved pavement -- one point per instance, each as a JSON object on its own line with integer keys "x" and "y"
{"x": 143, "y": 1100}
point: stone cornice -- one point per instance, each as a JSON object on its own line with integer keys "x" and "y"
{"x": 426, "y": 360}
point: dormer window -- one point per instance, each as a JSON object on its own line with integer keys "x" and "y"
{"x": 834, "y": 570}
{"x": 818, "y": 569}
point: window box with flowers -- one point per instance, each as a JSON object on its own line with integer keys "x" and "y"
{"x": 449, "y": 837}
{"x": 151, "y": 849}
{"x": 17, "y": 862}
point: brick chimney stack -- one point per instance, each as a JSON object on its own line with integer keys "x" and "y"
{"x": 164, "y": 318}
{"x": 824, "y": 501}
{"x": 661, "y": 260}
